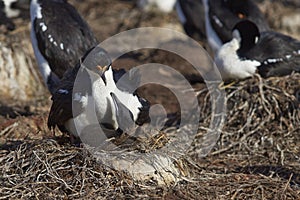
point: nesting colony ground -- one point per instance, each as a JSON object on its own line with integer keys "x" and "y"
{"x": 256, "y": 157}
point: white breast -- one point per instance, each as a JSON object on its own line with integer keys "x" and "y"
{"x": 85, "y": 118}
{"x": 99, "y": 107}
{"x": 105, "y": 107}
{"x": 231, "y": 66}
{"x": 129, "y": 100}
{"x": 103, "y": 103}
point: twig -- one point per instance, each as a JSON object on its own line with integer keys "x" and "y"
{"x": 9, "y": 128}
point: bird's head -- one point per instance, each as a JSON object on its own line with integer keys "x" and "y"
{"x": 247, "y": 33}
{"x": 97, "y": 61}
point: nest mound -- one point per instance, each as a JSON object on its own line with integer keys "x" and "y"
{"x": 256, "y": 156}
{"x": 267, "y": 110}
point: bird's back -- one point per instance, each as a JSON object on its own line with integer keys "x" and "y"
{"x": 62, "y": 34}
{"x": 279, "y": 54}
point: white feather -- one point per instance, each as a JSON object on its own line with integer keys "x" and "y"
{"x": 35, "y": 12}
{"x": 229, "y": 64}
{"x": 105, "y": 103}
{"x": 83, "y": 119}
{"x": 100, "y": 108}
{"x": 42, "y": 62}
{"x": 163, "y": 5}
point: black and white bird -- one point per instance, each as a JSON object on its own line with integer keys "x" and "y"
{"x": 96, "y": 99}
{"x": 215, "y": 19}
{"x": 268, "y": 53}
{"x": 60, "y": 57}
{"x": 60, "y": 37}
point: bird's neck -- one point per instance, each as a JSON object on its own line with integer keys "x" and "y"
{"x": 246, "y": 45}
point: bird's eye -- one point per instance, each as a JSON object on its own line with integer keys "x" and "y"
{"x": 241, "y": 16}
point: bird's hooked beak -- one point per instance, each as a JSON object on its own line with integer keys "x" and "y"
{"x": 101, "y": 69}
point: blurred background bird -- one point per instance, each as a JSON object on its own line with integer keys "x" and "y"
{"x": 269, "y": 53}
{"x": 213, "y": 20}
{"x": 60, "y": 37}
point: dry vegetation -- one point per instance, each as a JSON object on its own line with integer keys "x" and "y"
{"x": 256, "y": 157}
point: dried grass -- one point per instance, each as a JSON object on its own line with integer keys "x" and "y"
{"x": 257, "y": 156}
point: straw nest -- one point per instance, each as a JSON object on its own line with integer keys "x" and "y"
{"x": 256, "y": 155}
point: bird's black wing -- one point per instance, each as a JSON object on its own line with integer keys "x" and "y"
{"x": 75, "y": 80}
{"x": 62, "y": 102}
{"x": 278, "y": 54}
{"x": 62, "y": 34}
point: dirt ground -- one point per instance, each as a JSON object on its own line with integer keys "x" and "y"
{"x": 256, "y": 157}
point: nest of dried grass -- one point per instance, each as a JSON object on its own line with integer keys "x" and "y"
{"x": 263, "y": 110}
{"x": 256, "y": 157}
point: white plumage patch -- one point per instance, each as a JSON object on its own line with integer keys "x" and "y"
{"x": 81, "y": 98}
{"x": 63, "y": 91}
{"x": 273, "y": 60}
{"x": 288, "y": 56}
{"x": 35, "y": 10}
{"x": 231, "y": 66}
{"x": 106, "y": 112}
{"x": 216, "y": 19}
{"x": 131, "y": 101}
{"x": 43, "y": 26}
{"x": 163, "y": 5}
{"x": 84, "y": 119}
